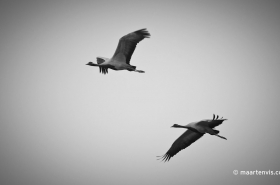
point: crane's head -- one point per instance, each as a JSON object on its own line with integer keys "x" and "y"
{"x": 175, "y": 126}
{"x": 91, "y": 64}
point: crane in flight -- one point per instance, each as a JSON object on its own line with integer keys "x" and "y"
{"x": 195, "y": 131}
{"x": 123, "y": 53}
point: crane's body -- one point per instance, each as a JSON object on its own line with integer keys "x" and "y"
{"x": 195, "y": 131}
{"x": 123, "y": 53}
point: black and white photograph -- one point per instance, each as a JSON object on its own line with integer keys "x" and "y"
{"x": 124, "y": 92}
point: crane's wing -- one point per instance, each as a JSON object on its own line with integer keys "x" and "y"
{"x": 212, "y": 123}
{"x": 100, "y": 60}
{"x": 185, "y": 140}
{"x": 127, "y": 43}
{"x": 103, "y": 70}
{"x": 216, "y": 121}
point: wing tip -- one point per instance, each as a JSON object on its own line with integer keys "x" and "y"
{"x": 165, "y": 158}
{"x": 103, "y": 70}
{"x": 217, "y": 118}
{"x": 144, "y": 32}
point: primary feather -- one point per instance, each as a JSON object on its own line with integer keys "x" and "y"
{"x": 185, "y": 140}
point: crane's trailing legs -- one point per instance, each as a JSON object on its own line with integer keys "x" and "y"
{"x": 131, "y": 68}
{"x": 221, "y": 136}
{"x": 139, "y": 71}
{"x": 214, "y": 132}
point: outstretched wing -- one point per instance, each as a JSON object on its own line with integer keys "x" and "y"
{"x": 127, "y": 43}
{"x": 103, "y": 70}
{"x": 185, "y": 140}
{"x": 216, "y": 121}
{"x": 100, "y": 60}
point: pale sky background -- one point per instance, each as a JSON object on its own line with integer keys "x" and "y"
{"x": 64, "y": 123}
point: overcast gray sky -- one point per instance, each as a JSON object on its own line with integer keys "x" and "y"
{"x": 64, "y": 123}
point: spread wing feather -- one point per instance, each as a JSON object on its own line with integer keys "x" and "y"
{"x": 103, "y": 70}
{"x": 101, "y": 60}
{"x": 215, "y": 123}
{"x": 127, "y": 43}
{"x": 185, "y": 140}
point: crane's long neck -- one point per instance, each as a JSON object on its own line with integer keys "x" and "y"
{"x": 187, "y": 127}
{"x": 180, "y": 126}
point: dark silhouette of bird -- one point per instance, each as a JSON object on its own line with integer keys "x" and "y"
{"x": 195, "y": 131}
{"x": 123, "y": 53}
